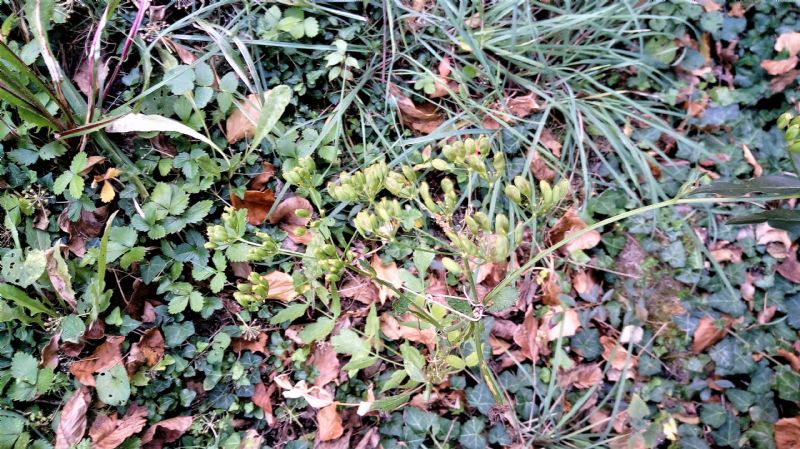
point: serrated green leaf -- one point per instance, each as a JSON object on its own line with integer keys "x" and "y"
{"x": 316, "y": 331}
{"x": 289, "y": 314}
{"x": 24, "y": 367}
{"x": 413, "y": 362}
{"x": 349, "y": 342}
{"x": 504, "y": 299}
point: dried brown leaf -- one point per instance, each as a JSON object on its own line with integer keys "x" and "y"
{"x": 149, "y": 350}
{"x": 423, "y": 118}
{"x": 389, "y": 274}
{"x": 787, "y": 433}
{"x": 360, "y": 289}
{"x": 242, "y": 121}
{"x": 706, "y": 334}
{"x": 165, "y": 431}
{"x": 108, "y": 432}
{"x": 256, "y": 202}
{"x": 790, "y": 268}
{"x": 411, "y": 329}
{"x": 558, "y": 322}
{"x": 758, "y": 170}
{"x": 779, "y": 67}
{"x": 581, "y": 376}
{"x": 258, "y": 344}
{"x": 569, "y": 225}
{"x": 281, "y": 286}
{"x": 72, "y": 424}
{"x": 325, "y": 360}
{"x": 330, "y": 423}
{"x": 103, "y": 358}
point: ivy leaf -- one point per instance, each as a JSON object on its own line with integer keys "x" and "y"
{"x": 713, "y": 415}
{"x": 418, "y": 420}
{"x": 481, "y": 398}
{"x": 787, "y": 383}
{"x": 113, "y": 386}
{"x": 729, "y": 433}
{"x": 472, "y": 434}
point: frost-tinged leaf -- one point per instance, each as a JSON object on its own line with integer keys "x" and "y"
{"x": 113, "y": 386}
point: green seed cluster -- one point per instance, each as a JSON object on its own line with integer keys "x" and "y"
{"x": 791, "y": 124}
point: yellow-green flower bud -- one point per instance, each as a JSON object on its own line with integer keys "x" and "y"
{"x": 440, "y": 164}
{"x": 791, "y": 133}
{"x": 784, "y": 119}
{"x": 512, "y": 192}
{"x": 501, "y": 224}
{"x": 451, "y": 265}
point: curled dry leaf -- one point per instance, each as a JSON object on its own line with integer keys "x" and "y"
{"x": 512, "y": 109}
{"x": 165, "y": 431}
{"x": 551, "y": 291}
{"x": 389, "y": 274}
{"x": 58, "y": 273}
{"x": 256, "y": 202}
{"x": 423, "y": 118}
{"x": 779, "y": 67}
{"x": 540, "y": 170}
{"x": 787, "y": 433}
{"x": 285, "y": 214}
{"x": 410, "y": 329}
{"x": 149, "y": 350}
{"x": 281, "y": 286}
{"x": 558, "y": 322}
{"x": 325, "y": 360}
{"x": 330, "y": 423}
{"x": 252, "y": 440}
{"x": 108, "y": 432}
{"x": 758, "y": 170}
{"x": 790, "y": 357}
{"x": 790, "y": 267}
{"x": 262, "y": 397}
{"x": 568, "y": 226}
{"x": 103, "y": 358}
{"x": 582, "y": 376}
{"x": 315, "y": 396}
{"x": 72, "y": 424}
{"x": 50, "y": 353}
{"x": 706, "y": 334}
{"x": 241, "y": 123}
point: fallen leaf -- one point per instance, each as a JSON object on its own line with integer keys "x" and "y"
{"x": 83, "y": 77}
{"x": 411, "y": 329}
{"x": 787, "y": 433}
{"x": 706, "y": 334}
{"x": 540, "y": 170}
{"x": 526, "y": 336}
{"x": 780, "y": 83}
{"x": 779, "y": 67}
{"x": 748, "y": 156}
{"x": 72, "y": 424}
{"x": 329, "y": 423}
{"x": 258, "y": 344}
{"x": 281, "y": 286}
{"x": 88, "y": 226}
{"x": 285, "y": 214}
{"x": 550, "y": 142}
{"x": 510, "y": 110}
{"x": 262, "y": 397}
{"x": 789, "y": 42}
{"x": 551, "y": 290}
{"x": 766, "y": 315}
{"x": 316, "y": 397}
{"x": 631, "y": 334}
{"x": 103, "y": 358}
{"x": 582, "y": 376}
{"x": 149, "y": 350}
{"x": 370, "y": 439}
{"x": 423, "y": 118}
{"x": 50, "y": 353}
{"x": 360, "y": 289}
{"x": 766, "y": 234}
{"x": 737, "y": 10}
{"x": 790, "y": 268}
{"x": 165, "y": 431}
{"x": 710, "y": 5}
{"x": 241, "y": 123}
{"x": 59, "y": 276}
{"x": 569, "y": 225}
{"x": 389, "y": 274}
{"x": 108, "y": 432}
{"x": 256, "y": 202}
{"x": 616, "y": 354}
{"x": 326, "y": 362}
{"x": 107, "y": 192}
{"x": 790, "y": 357}
{"x": 342, "y": 442}
{"x": 261, "y": 179}
{"x": 140, "y": 123}
{"x": 558, "y": 322}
